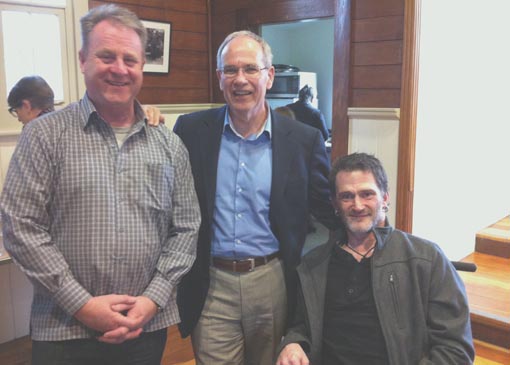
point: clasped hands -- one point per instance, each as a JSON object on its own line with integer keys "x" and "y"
{"x": 118, "y": 317}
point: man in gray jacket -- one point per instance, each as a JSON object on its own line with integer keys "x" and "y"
{"x": 374, "y": 294}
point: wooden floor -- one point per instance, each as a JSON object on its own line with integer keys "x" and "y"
{"x": 177, "y": 351}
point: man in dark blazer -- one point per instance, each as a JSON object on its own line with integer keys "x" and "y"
{"x": 257, "y": 174}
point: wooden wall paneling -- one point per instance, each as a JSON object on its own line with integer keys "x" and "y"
{"x": 377, "y": 8}
{"x": 375, "y": 98}
{"x": 182, "y": 21}
{"x": 378, "y": 29}
{"x": 285, "y": 11}
{"x": 177, "y": 95}
{"x": 377, "y": 53}
{"x": 185, "y": 59}
{"x": 376, "y": 77}
{"x": 195, "y": 6}
{"x": 197, "y": 78}
{"x": 189, "y": 41}
{"x": 408, "y": 113}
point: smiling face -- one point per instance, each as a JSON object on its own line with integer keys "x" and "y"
{"x": 245, "y": 94}
{"x": 359, "y": 201}
{"x": 112, "y": 66}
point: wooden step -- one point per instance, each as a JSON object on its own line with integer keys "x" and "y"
{"x": 487, "y": 354}
{"x": 495, "y": 239}
{"x": 488, "y": 291}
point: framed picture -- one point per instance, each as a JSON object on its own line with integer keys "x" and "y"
{"x": 157, "y": 52}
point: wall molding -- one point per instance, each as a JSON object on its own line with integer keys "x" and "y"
{"x": 374, "y": 113}
{"x": 184, "y": 108}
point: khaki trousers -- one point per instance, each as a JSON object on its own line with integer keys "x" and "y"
{"x": 244, "y": 317}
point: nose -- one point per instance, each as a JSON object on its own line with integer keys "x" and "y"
{"x": 357, "y": 203}
{"x": 119, "y": 66}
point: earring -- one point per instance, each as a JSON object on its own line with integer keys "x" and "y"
{"x": 385, "y": 208}
{"x": 337, "y": 212}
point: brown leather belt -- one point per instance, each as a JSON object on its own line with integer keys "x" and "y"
{"x": 244, "y": 265}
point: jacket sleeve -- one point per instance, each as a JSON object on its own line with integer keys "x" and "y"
{"x": 297, "y": 331}
{"x": 321, "y": 206}
{"x": 448, "y": 322}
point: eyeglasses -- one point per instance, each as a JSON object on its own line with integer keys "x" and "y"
{"x": 13, "y": 111}
{"x": 249, "y": 71}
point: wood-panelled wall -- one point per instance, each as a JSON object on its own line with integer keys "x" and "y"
{"x": 188, "y": 79}
{"x": 376, "y": 53}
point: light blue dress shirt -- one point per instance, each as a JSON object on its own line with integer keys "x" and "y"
{"x": 241, "y": 226}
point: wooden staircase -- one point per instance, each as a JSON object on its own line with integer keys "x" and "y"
{"x": 488, "y": 291}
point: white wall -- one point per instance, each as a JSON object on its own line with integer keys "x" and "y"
{"x": 309, "y": 46}
{"x": 462, "y": 180}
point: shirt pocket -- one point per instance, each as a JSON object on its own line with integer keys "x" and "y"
{"x": 158, "y": 186}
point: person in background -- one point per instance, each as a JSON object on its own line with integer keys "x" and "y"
{"x": 285, "y": 110}
{"x": 257, "y": 175}
{"x": 99, "y": 211}
{"x": 374, "y": 294}
{"x": 305, "y": 112}
{"x": 32, "y": 97}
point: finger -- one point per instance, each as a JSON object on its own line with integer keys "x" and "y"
{"x": 116, "y": 333}
{"x": 161, "y": 119}
{"x": 133, "y": 334}
{"x": 121, "y": 299}
{"x": 121, "y": 307}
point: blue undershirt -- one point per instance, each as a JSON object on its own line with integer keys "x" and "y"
{"x": 241, "y": 225}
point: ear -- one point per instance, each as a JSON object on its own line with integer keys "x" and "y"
{"x": 270, "y": 74}
{"x": 82, "y": 58}
{"x": 25, "y": 103}
{"x": 218, "y": 75}
{"x": 386, "y": 198}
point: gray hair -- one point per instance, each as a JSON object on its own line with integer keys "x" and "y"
{"x": 266, "y": 49}
{"x": 113, "y": 13}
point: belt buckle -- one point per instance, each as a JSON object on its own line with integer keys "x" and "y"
{"x": 251, "y": 260}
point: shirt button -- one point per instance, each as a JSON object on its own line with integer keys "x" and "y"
{"x": 239, "y": 215}
{"x": 238, "y": 242}
{"x": 350, "y": 291}
{"x": 240, "y": 190}
{"x": 242, "y": 164}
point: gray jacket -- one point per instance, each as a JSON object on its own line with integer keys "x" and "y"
{"x": 420, "y": 300}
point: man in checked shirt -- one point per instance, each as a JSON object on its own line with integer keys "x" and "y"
{"x": 100, "y": 212}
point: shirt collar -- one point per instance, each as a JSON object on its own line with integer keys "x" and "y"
{"x": 267, "y": 128}
{"x": 90, "y": 113}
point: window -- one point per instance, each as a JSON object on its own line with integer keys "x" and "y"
{"x": 28, "y": 51}
{"x": 38, "y": 38}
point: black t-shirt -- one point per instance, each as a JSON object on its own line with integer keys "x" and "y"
{"x": 352, "y": 333}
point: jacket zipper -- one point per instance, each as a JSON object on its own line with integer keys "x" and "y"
{"x": 394, "y": 296}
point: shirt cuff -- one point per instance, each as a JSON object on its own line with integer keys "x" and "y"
{"x": 71, "y": 297}
{"x": 159, "y": 291}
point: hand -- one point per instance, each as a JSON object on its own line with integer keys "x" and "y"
{"x": 292, "y": 354}
{"x": 141, "y": 312}
{"x": 153, "y": 115}
{"x": 103, "y": 313}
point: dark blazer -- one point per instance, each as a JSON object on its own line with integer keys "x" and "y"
{"x": 299, "y": 186}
